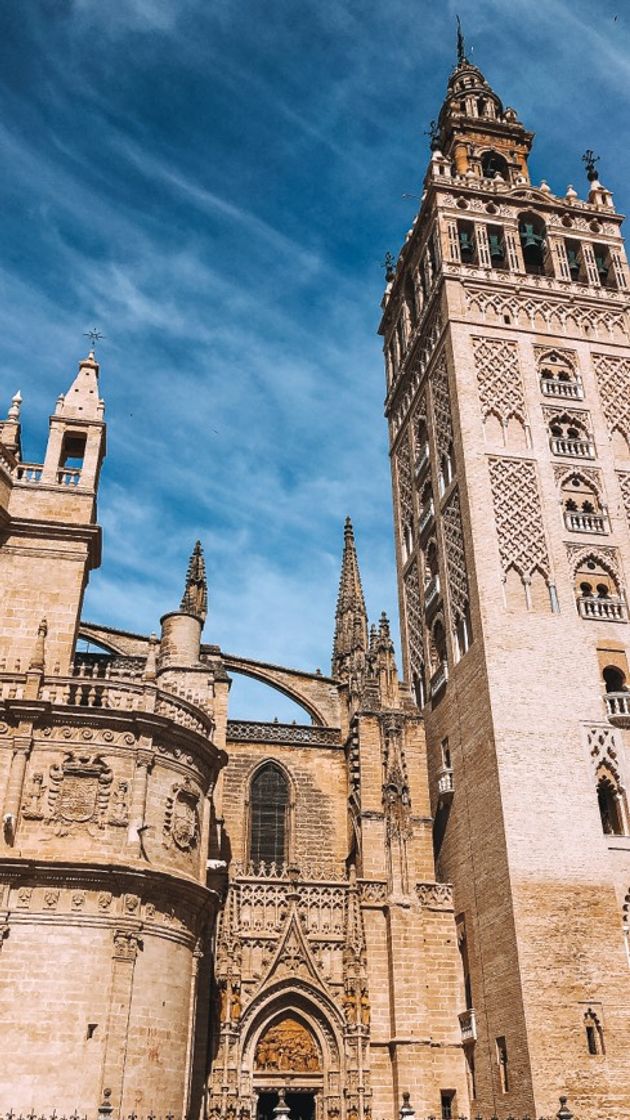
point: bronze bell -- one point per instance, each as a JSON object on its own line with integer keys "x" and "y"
{"x": 529, "y": 238}
{"x": 497, "y": 252}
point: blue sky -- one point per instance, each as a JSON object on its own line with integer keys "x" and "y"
{"x": 213, "y": 184}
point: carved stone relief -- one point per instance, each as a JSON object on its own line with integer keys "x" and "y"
{"x": 287, "y": 1046}
{"x": 181, "y": 817}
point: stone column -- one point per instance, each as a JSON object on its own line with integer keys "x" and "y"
{"x": 13, "y": 794}
{"x": 144, "y": 763}
{"x": 126, "y": 945}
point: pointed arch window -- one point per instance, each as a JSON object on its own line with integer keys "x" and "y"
{"x": 269, "y": 814}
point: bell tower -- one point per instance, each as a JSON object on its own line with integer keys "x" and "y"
{"x": 49, "y": 538}
{"x": 507, "y": 352}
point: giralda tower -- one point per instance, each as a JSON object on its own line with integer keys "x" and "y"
{"x": 507, "y": 348}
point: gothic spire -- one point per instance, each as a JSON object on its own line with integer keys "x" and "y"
{"x": 351, "y": 637}
{"x": 195, "y": 597}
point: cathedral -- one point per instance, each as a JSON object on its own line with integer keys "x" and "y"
{"x": 419, "y": 901}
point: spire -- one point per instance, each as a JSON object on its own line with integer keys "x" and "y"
{"x": 351, "y": 636}
{"x": 82, "y": 401}
{"x": 39, "y": 653}
{"x": 461, "y": 43}
{"x": 195, "y": 597}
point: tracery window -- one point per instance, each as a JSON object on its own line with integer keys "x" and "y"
{"x": 610, "y": 802}
{"x": 269, "y": 810}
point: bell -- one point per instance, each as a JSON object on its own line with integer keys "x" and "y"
{"x": 601, "y": 269}
{"x": 574, "y": 264}
{"x": 497, "y": 252}
{"x": 529, "y": 238}
{"x": 466, "y": 244}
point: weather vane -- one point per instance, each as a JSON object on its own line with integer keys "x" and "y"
{"x": 433, "y": 132}
{"x": 590, "y": 161}
{"x": 94, "y": 336}
{"x": 390, "y": 267}
{"x": 461, "y": 44}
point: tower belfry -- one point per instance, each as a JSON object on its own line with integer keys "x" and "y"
{"x": 508, "y": 367}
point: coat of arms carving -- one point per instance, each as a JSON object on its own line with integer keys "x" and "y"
{"x": 181, "y": 817}
{"x": 78, "y": 792}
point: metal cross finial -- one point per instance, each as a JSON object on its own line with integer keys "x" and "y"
{"x": 461, "y": 43}
{"x": 94, "y": 336}
{"x": 590, "y": 161}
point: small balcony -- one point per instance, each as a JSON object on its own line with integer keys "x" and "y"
{"x": 427, "y": 515}
{"x": 468, "y": 1025}
{"x": 445, "y": 783}
{"x": 29, "y": 472}
{"x": 422, "y": 461}
{"x": 618, "y": 708}
{"x": 562, "y": 390}
{"x": 572, "y": 448}
{"x": 432, "y": 594}
{"x": 438, "y": 680}
{"x": 579, "y": 522}
{"x": 610, "y": 608}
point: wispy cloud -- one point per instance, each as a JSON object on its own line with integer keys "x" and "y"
{"x": 214, "y": 185}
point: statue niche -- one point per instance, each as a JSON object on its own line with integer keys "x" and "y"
{"x": 286, "y": 1046}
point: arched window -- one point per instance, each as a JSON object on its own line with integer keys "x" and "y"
{"x": 609, "y": 799}
{"x": 493, "y": 165}
{"x": 532, "y": 233}
{"x": 269, "y": 810}
{"x": 614, "y": 679}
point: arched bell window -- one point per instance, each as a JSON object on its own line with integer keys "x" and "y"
{"x": 269, "y": 815}
{"x": 493, "y": 165}
{"x": 532, "y": 234}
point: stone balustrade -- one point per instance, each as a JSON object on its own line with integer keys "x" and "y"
{"x": 468, "y": 1025}
{"x": 612, "y": 608}
{"x": 579, "y": 522}
{"x": 252, "y": 731}
{"x": 114, "y": 695}
{"x": 29, "y": 472}
{"x": 446, "y": 784}
{"x": 439, "y": 679}
{"x": 69, "y": 476}
{"x": 422, "y": 461}
{"x": 432, "y": 593}
{"x": 618, "y": 708}
{"x": 572, "y": 448}
{"x": 426, "y": 516}
{"x": 563, "y": 390}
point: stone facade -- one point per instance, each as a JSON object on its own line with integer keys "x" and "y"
{"x": 507, "y": 350}
{"x": 172, "y": 939}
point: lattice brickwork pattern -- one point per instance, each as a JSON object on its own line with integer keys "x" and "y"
{"x": 624, "y": 483}
{"x": 414, "y": 621}
{"x": 455, "y": 556}
{"x": 441, "y": 405}
{"x": 613, "y": 379}
{"x": 404, "y": 475}
{"x": 518, "y": 516}
{"x": 499, "y": 378}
